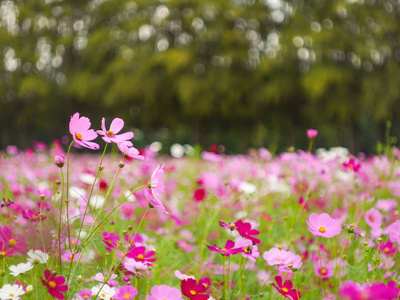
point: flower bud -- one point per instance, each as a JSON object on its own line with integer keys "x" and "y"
{"x": 79, "y": 277}
{"x": 29, "y": 288}
{"x": 312, "y": 133}
{"x": 121, "y": 164}
{"x": 59, "y": 161}
{"x": 130, "y": 227}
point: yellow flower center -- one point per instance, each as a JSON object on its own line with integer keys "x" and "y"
{"x": 192, "y": 292}
{"x": 323, "y": 272}
{"x": 3, "y": 253}
{"x": 245, "y": 250}
{"x": 223, "y": 250}
{"x": 285, "y": 290}
{"x": 11, "y": 295}
{"x": 70, "y": 257}
{"x": 140, "y": 256}
{"x": 386, "y": 250}
{"x": 78, "y": 136}
{"x": 73, "y": 242}
{"x": 279, "y": 247}
{"x": 371, "y": 218}
{"x": 12, "y": 242}
{"x": 103, "y": 294}
{"x": 86, "y": 296}
{"x": 322, "y": 229}
{"x": 110, "y": 133}
{"x": 52, "y": 284}
{"x": 127, "y": 296}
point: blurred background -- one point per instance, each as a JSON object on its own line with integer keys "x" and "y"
{"x": 241, "y": 73}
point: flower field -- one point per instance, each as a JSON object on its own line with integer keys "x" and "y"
{"x": 132, "y": 224}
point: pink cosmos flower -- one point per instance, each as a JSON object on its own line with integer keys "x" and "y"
{"x": 134, "y": 266}
{"x": 245, "y": 231}
{"x": 164, "y": 292}
{"x": 312, "y": 133}
{"x": 286, "y": 289}
{"x": 352, "y": 164}
{"x": 127, "y": 149}
{"x": 154, "y": 188}
{"x": 79, "y": 128}
{"x": 326, "y": 271}
{"x": 67, "y": 256}
{"x": 394, "y": 232}
{"x": 387, "y": 248}
{"x": 277, "y": 256}
{"x": 250, "y": 251}
{"x": 193, "y": 290}
{"x": 110, "y": 136}
{"x": 199, "y": 194}
{"x": 32, "y": 216}
{"x": 227, "y": 250}
{"x": 55, "y": 285}
{"x": 323, "y": 225}
{"x": 84, "y": 294}
{"x": 182, "y": 276}
{"x": 231, "y": 226}
{"x": 10, "y": 243}
{"x": 373, "y": 218}
{"x": 110, "y": 239}
{"x": 126, "y": 292}
{"x": 139, "y": 254}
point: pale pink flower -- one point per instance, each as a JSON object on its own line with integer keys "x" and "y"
{"x": 154, "y": 188}
{"x": 394, "y": 232}
{"x": 323, "y": 225}
{"x": 373, "y": 218}
{"x": 163, "y": 292}
{"x": 127, "y": 148}
{"x": 276, "y": 256}
{"x": 324, "y": 271}
{"x": 181, "y": 276}
{"x": 110, "y": 136}
{"x": 79, "y": 128}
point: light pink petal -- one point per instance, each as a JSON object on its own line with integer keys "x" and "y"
{"x": 103, "y": 125}
{"x": 324, "y": 219}
{"x": 116, "y": 125}
{"x": 314, "y": 220}
{"x": 83, "y": 124}
{"x": 91, "y": 145}
{"x": 89, "y": 135}
{"x": 124, "y": 136}
{"x": 73, "y": 123}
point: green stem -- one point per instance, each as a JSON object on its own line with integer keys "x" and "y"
{"x": 239, "y": 277}
{"x": 310, "y": 145}
{"x": 340, "y": 258}
{"x": 320, "y": 265}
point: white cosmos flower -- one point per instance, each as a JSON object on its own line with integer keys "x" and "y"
{"x": 20, "y": 269}
{"x": 37, "y": 256}
{"x": 106, "y": 292}
{"x": 11, "y": 292}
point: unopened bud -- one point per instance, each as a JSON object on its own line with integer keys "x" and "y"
{"x": 130, "y": 227}
{"x": 79, "y": 277}
{"x": 66, "y": 201}
{"x": 58, "y": 182}
{"x": 101, "y": 168}
{"x": 379, "y": 240}
{"x": 125, "y": 232}
{"x": 121, "y": 164}
{"x": 54, "y": 273}
{"x": 59, "y": 161}
{"x": 29, "y": 288}
{"x": 42, "y": 196}
{"x": 365, "y": 244}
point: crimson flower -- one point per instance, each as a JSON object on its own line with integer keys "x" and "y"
{"x": 55, "y": 285}
{"x": 193, "y": 290}
{"x": 286, "y": 289}
{"x": 227, "y": 250}
{"x": 245, "y": 231}
{"x": 79, "y": 128}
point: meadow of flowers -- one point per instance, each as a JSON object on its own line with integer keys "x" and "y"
{"x": 130, "y": 224}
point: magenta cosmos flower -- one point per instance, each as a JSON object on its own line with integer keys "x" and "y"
{"x": 164, "y": 292}
{"x": 126, "y": 292}
{"x": 286, "y": 289}
{"x": 55, "y": 285}
{"x": 79, "y": 128}
{"x": 394, "y": 232}
{"x": 244, "y": 229}
{"x": 139, "y": 254}
{"x": 154, "y": 188}
{"x": 110, "y": 136}
{"x": 227, "y": 250}
{"x": 323, "y": 225}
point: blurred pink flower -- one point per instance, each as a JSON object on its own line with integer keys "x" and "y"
{"x": 164, "y": 292}
{"x": 312, "y": 133}
{"x": 324, "y": 271}
{"x": 394, "y": 232}
{"x": 126, "y": 147}
{"x": 373, "y": 218}
{"x": 79, "y": 128}
{"x": 110, "y": 136}
{"x": 323, "y": 225}
{"x": 154, "y": 188}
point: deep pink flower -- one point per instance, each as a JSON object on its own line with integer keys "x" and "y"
{"x": 110, "y": 136}
{"x": 110, "y": 239}
{"x": 85, "y": 294}
{"x": 193, "y": 290}
{"x": 163, "y": 292}
{"x": 139, "y": 254}
{"x": 352, "y": 165}
{"x": 154, "y": 188}
{"x": 10, "y": 243}
{"x": 394, "y": 232}
{"x": 55, "y": 285}
{"x": 245, "y": 231}
{"x": 387, "y": 248}
{"x": 199, "y": 194}
{"x": 323, "y": 225}
{"x": 312, "y": 133}
{"x": 373, "y": 218}
{"x": 126, "y": 292}
{"x": 32, "y": 216}
{"x": 231, "y": 226}
{"x": 227, "y": 250}
{"x": 285, "y": 289}
{"x": 206, "y": 282}
{"x": 79, "y": 128}
{"x": 127, "y": 149}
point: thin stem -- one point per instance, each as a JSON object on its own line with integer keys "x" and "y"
{"x": 320, "y": 265}
{"x": 239, "y": 277}
{"x": 340, "y": 258}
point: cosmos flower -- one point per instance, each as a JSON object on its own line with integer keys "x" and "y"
{"x": 312, "y": 133}
{"x": 127, "y": 149}
{"x": 323, "y": 225}
{"x": 154, "y": 188}
{"x": 394, "y": 232}
{"x": 164, "y": 292}
{"x": 227, "y": 250}
{"x": 126, "y": 292}
{"x": 286, "y": 289}
{"x": 37, "y": 256}
{"x": 82, "y": 135}
{"x": 193, "y": 290}
{"x": 55, "y": 285}
{"x": 20, "y": 268}
{"x": 11, "y": 292}
{"x": 111, "y": 136}
{"x": 373, "y": 218}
